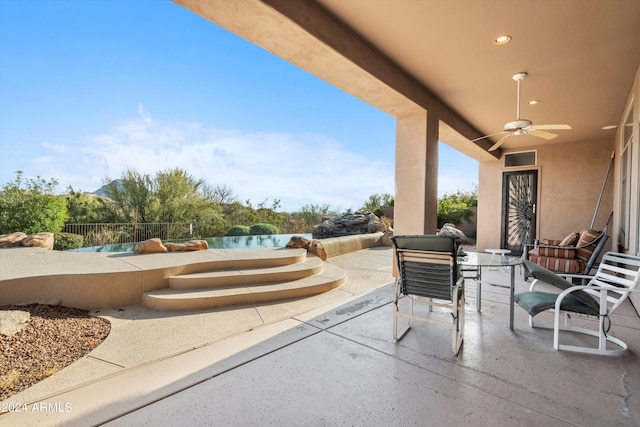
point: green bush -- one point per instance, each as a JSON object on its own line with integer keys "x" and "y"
{"x": 239, "y": 230}
{"x": 64, "y": 241}
{"x": 454, "y": 208}
{"x": 30, "y": 206}
{"x": 257, "y": 229}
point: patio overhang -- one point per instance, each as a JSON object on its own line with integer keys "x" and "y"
{"x": 305, "y": 34}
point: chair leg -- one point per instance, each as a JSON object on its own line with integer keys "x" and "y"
{"x": 396, "y": 310}
{"x": 457, "y": 328}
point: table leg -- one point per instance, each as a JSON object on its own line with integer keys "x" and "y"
{"x": 479, "y": 288}
{"x": 512, "y": 295}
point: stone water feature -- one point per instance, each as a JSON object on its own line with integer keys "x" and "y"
{"x": 349, "y": 224}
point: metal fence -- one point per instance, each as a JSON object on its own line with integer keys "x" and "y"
{"x": 111, "y": 233}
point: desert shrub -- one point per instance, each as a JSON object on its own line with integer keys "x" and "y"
{"x": 31, "y": 207}
{"x": 387, "y": 221}
{"x": 257, "y": 229}
{"x": 64, "y": 241}
{"x": 239, "y": 230}
{"x": 107, "y": 236}
{"x": 454, "y": 208}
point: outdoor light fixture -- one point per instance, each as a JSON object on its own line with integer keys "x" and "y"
{"x": 502, "y": 40}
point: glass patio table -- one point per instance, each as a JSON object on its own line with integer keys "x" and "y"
{"x": 474, "y": 261}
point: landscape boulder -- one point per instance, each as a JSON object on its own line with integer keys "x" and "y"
{"x": 450, "y": 230}
{"x": 151, "y": 246}
{"x": 39, "y": 240}
{"x": 385, "y": 240}
{"x": 312, "y": 246}
{"x": 12, "y": 240}
{"x": 191, "y": 245}
{"x": 13, "y": 321}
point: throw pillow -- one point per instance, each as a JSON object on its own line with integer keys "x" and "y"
{"x": 570, "y": 240}
{"x": 586, "y": 244}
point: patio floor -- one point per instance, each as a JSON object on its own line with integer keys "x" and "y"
{"x": 341, "y": 366}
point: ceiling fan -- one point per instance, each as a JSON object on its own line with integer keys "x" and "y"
{"x": 524, "y": 126}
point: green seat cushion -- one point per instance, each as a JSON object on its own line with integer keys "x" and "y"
{"x": 538, "y": 272}
{"x": 537, "y": 302}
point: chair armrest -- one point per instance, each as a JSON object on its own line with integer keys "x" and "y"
{"x": 568, "y": 276}
{"x": 602, "y": 289}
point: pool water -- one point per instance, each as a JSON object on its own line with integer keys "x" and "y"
{"x": 227, "y": 242}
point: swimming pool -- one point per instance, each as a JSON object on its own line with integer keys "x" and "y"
{"x": 227, "y": 242}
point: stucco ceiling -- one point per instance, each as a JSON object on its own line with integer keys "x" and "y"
{"x": 581, "y": 57}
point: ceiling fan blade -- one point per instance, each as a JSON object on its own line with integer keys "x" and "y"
{"x": 487, "y": 136}
{"x": 552, "y": 127}
{"x": 499, "y": 143}
{"x": 542, "y": 134}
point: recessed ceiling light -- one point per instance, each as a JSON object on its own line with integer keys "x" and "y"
{"x": 499, "y": 41}
{"x": 534, "y": 102}
{"x": 609, "y": 127}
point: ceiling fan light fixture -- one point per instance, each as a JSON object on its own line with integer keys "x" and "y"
{"x": 502, "y": 40}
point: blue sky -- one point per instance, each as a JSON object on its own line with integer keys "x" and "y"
{"x": 91, "y": 88}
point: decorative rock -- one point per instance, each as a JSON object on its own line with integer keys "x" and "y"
{"x": 377, "y": 226}
{"x": 151, "y": 246}
{"x": 12, "y": 240}
{"x": 191, "y": 245}
{"x": 348, "y": 224}
{"x": 13, "y": 321}
{"x": 298, "y": 242}
{"x": 385, "y": 240}
{"x": 450, "y": 230}
{"x": 39, "y": 240}
{"x": 313, "y": 246}
{"x": 317, "y": 249}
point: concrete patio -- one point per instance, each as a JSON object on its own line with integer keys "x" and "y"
{"x": 332, "y": 360}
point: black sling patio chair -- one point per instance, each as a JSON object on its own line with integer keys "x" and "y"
{"x": 430, "y": 275}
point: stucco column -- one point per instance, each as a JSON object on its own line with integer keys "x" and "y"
{"x": 416, "y": 177}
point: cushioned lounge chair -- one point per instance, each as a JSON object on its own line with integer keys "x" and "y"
{"x": 429, "y": 275}
{"x": 575, "y": 254}
{"x": 618, "y": 275}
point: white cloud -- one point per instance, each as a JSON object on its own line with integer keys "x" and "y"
{"x": 58, "y": 148}
{"x": 297, "y": 169}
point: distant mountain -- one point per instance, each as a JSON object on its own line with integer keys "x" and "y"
{"x": 102, "y": 191}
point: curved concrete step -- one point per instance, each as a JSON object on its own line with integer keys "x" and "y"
{"x": 247, "y": 276}
{"x": 200, "y": 299}
{"x": 242, "y": 258}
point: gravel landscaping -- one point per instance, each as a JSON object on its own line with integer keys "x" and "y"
{"x": 53, "y": 338}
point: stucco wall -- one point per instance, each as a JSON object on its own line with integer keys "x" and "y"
{"x": 570, "y": 177}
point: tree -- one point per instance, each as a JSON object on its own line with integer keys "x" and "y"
{"x": 180, "y": 197}
{"x": 85, "y": 208}
{"x": 310, "y": 215}
{"x": 31, "y": 207}
{"x": 170, "y": 196}
{"x": 131, "y": 196}
{"x": 223, "y": 194}
{"x": 454, "y": 208}
{"x": 375, "y": 201}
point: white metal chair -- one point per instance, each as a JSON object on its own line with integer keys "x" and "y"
{"x": 428, "y": 269}
{"x": 617, "y": 276}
